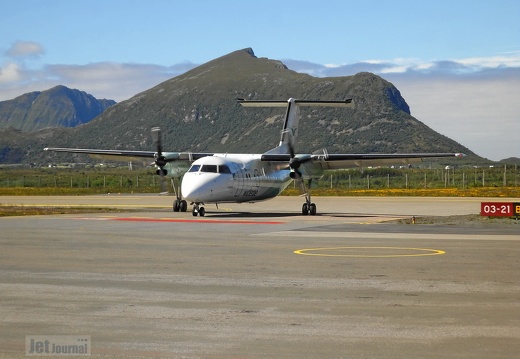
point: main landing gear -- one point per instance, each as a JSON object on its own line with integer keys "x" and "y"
{"x": 179, "y": 205}
{"x": 308, "y": 207}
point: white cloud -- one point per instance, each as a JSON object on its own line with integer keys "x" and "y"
{"x": 481, "y": 112}
{"x": 117, "y": 81}
{"x": 25, "y": 49}
{"x": 473, "y": 101}
{"x": 510, "y": 60}
{"x": 332, "y": 66}
{"x": 423, "y": 66}
{"x": 10, "y": 73}
{"x": 394, "y": 69}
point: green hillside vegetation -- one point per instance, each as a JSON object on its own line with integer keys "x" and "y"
{"x": 197, "y": 111}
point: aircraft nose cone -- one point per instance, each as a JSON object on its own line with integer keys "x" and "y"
{"x": 196, "y": 188}
{"x": 191, "y": 189}
{"x": 205, "y": 187}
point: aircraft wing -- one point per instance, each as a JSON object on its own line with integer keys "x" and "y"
{"x": 341, "y": 161}
{"x": 179, "y": 161}
{"x": 114, "y": 155}
{"x": 326, "y": 161}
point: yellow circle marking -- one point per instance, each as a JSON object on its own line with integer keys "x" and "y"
{"x": 423, "y": 252}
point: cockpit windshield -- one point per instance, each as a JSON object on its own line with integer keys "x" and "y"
{"x": 223, "y": 169}
{"x": 210, "y": 168}
{"x": 194, "y": 168}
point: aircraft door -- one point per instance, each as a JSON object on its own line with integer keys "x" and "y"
{"x": 257, "y": 178}
{"x": 238, "y": 179}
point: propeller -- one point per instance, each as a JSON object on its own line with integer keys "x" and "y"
{"x": 294, "y": 165}
{"x": 160, "y": 160}
{"x": 294, "y": 162}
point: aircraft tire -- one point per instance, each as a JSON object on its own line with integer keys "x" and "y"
{"x": 305, "y": 209}
{"x": 312, "y": 209}
{"x": 176, "y": 205}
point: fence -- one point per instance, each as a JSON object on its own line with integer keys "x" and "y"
{"x": 423, "y": 178}
{"x": 63, "y": 179}
{"x": 377, "y": 178}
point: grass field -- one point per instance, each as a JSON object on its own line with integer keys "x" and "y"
{"x": 6, "y": 211}
{"x": 506, "y": 192}
{"x": 465, "y": 182}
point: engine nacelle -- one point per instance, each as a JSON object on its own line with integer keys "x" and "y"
{"x": 294, "y": 174}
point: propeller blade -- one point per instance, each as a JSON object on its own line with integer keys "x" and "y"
{"x": 164, "y": 186}
{"x": 160, "y": 161}
{"x": 156, "y": 136}
{"x": 294, "y": 163}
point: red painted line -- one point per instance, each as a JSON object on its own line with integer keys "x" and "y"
{"x": 180, "y": 220}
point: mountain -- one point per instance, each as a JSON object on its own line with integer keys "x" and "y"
{"x": 197, "y": 111}
{"x": 56, "y": 107}
{"x": 511, "y": 161}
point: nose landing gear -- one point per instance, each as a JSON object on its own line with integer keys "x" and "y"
{"x": 198, "y": 210}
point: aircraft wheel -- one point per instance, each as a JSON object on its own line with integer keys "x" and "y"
{"x": 184, "y": 206}
{"x": 194, "y": 212}
{"x": 305, "y": 209}
{"x": 312, "y": 209}
{"x": 202, "y": 211}
{"x": 176, "y": 205}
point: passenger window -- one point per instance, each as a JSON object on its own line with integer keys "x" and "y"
{"x": 194, "y": 168}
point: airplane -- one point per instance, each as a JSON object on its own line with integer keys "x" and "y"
{"x": 242, "y": 177}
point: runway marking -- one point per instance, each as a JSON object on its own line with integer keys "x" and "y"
{"x": 425, "y": 252}
{"x": 198, "y": 220}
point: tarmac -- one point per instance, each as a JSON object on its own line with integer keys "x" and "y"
{"x": 261, "y": 280}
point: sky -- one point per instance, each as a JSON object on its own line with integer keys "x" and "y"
{"x": 456, "y": 62}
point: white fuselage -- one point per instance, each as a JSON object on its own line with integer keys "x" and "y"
{"x": 233, "y": 178}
